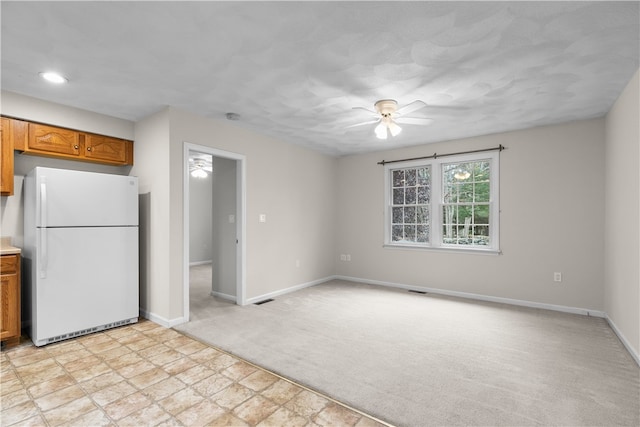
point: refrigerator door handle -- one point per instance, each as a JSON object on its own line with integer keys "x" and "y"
{"x": 44, "y": 259}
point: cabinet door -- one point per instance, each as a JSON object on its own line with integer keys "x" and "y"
{"x": 104, "y": 148}
{"x": 6, "y": 158}
{"x": 53, "y": 140}
{"x": 9, "y": 297}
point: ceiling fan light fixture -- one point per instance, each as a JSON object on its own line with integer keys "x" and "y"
{"x": 52, "y": 77}
{"x": 394, "y": 129}
{"x": 461, "y": 174}
{"x": 199, "y": 173}
{"x": 381, "y": 131}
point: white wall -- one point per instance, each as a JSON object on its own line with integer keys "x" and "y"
{"x": 200, "y": 219}
{"x": 551, "y": 196}
{"x": 622, "y": 219}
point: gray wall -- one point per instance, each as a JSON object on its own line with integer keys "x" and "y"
{"x": 200, "y": 219}
{"x": 224, "y": 228}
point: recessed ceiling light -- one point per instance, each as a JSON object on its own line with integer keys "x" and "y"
{"x": 53, "y": 77}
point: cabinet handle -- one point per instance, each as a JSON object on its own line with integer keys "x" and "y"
{"x": 88, "y": 148}
{"x": 76, "y": 147}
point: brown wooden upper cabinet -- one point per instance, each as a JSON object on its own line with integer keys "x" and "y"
{"x": 6, "y": 157}
{"x": 53, "y": 141}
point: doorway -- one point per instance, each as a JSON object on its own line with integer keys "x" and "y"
{"x": 214, "y": 229}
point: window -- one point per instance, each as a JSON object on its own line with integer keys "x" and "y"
{"x": 446, "y": 203}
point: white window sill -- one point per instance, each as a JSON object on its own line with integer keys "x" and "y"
{"x": 445, "y": 249}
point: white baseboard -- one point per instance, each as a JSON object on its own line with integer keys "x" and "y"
{"x": 634, "y": 354}
{"x": 227, "y": 297}
{"x": 479, "y": 297}
{"x": 288, "y": 290}
{"x": 194, "y": 263}
{"x": 161, "y": 320}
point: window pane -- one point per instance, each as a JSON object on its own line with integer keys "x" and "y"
{"x": 422, "y": 234}
{"x": 481, "y": 171}
{"x": 410, "y": 215}
{"x": 422, "y": 215}
{"x": 397, "y": 215}
{"x": 481, "y": 235}
{"x": 410, "y": 177}
{"x": 398, "y": 178}
{"x": 410, "y": 233}
{"x": 450, "y": 193}
{"x": 397, "y": 233}
{"x": 424, "y": 176}
{"x": 423, "y": 195}
{"x": 465, "y": 193}
{"x": 481, "y": 214}
{"x": 481, "y": 192}
{"x": 398, "y": 196}
{"x": 410, "y": 196}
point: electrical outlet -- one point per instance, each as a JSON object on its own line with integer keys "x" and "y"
{"x": 343, "y": 257}
{"x": 557, "y": 277}
{"x": 348, "y": 257}
{"x": 262, "y": 218}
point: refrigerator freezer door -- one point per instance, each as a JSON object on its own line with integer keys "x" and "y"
{"x": 67, "y": 198}
{"x": 90, "y": 280}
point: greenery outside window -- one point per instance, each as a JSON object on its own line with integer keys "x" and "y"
{"x": 447, "y": 203}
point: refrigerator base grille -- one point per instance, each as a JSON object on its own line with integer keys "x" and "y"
{"x": 85, "y": 331}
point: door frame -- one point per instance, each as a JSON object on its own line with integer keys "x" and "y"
{"x": 240, "y": 220}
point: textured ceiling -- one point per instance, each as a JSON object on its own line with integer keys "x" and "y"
{"x": 294, "y": 70}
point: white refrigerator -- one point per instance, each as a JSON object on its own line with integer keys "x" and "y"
{"x": 80, "y": 252}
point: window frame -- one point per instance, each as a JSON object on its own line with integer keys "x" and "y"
{"x": 436, "y": 205}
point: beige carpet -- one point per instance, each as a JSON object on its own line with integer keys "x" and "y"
{"x": 421, "y": 360}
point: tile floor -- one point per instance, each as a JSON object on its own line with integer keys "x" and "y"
{"x": 147, "y": 375}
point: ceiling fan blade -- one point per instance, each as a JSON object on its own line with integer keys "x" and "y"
{"x": 207, "y": 169}
{"x": 411, "y": 107}
{"x": 365, "y": 109}
{"x": 363, "y": 123}
{"x": 413, "y": 121}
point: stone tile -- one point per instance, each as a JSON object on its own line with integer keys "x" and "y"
{"x": 164, "y": 388}
{"x": 91, "y": 372}
{"x": 93, "y": 339}
{"x": 104, "y": 346}
{"x": 125, "y": 360}
{"x": 179, "y": 341}
{"x": 10, "y": 385}
{"x": 37, "y": 368}
{"x": 153, "y": 350}
{"x": 30, "y": 357}
{"x": 36, "y": 421}
{"x": 82, "y": 363}
{"x": 212, "y": 385}
{"x": 50, "y": 386}
{"x": 179, "y": 366}
{"x": 22, "y": 351}
{"x": 148, "y": 378}
{"x": 165, "y": 358}
{"x": 94, "y": 418}
{"x": 232, "y": 396}
{"x": 221, "y": 362}
{"x": 112, "y": 393}
{"x": 120, "y": 332}
{"x": 142, "y": 343}
{"x": 101, "y": 381}
{"x": 259, "y": 380}
{"x": 239, "y": 370}
{"x": 307, "y": 404}
{"x": 255, "y": 409}
{"x": 18, "y": 413}
{"x": 138, "y": 368}
{"x": 64, "y": 347}
{"x": 283, "y": 417}
{"x": 162, "y": 334}
{"x": 69, "y": 411}
{"x": 47, "y": 373}
{"x": 190, "y": 348}
{"x": 10, "y": 400}
{"x": 114, "y": 353}
{"x": 60, "y": 397}
{"x": 194, "y": 374}
{"x": 149, "y": 416}
{"x": 281, "y": 391}
{"x": 227, "y": 420}
{"x": 144, "y": 325}
{"x": 200, "y": 414}
{"x": 334, "y": 415}
{"x": 127, "y": 405}
{"x": 180, "y": 401}
{"x": 64, "y": 358}
{"x": 205, "y": 355}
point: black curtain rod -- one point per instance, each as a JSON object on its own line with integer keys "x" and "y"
{"x": 436, "y": 155}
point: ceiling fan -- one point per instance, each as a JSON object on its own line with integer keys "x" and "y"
{"x": 388, "y": 115}
{"x": 200, "y": 167}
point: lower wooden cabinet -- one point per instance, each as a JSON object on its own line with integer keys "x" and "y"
{"x": 10, "y": 299}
